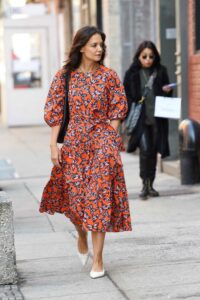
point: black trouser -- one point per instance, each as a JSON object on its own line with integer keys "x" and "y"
{"x": 148, "y": 153}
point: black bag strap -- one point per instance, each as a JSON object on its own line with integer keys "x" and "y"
{"x": 66, "y": 102}
{"x": 148, "y": 86}
{"x": 66, "y": 116}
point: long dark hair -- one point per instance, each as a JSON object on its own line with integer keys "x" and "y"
{"x": 80, "y": 40}
{"x": 141, "y": 47}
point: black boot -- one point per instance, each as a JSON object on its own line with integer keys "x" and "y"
{"x": 145, "y": 190}
{"x": 151, "y": 191}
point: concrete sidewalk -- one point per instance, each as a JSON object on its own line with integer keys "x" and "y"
{"x": 159, "y": 259}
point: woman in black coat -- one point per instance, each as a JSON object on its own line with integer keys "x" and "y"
{"x": 151, "y": 134}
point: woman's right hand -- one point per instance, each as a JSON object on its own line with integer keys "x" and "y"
{"x": 56, "y": 156}
{"x": 166, "y": 88}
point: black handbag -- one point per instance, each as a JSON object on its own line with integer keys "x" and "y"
{"x": 134, "y": 116}
{"x": 136, "y": 107}
{"x": 65, "y": 120}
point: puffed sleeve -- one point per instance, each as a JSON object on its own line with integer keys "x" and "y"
{"x": 118, "y": 105}
{"x": 53, "y": 110}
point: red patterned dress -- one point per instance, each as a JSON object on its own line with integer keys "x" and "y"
{"x": 89, "y": 188}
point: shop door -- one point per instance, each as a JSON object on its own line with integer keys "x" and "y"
{"x": 26, "y": 75}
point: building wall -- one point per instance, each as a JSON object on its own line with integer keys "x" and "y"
{"x": 127, "y": 23}
{"x": 194, "y": 66}
{"x": 138, "y": 22}
{"x": 65, "y": 29}
{"x": 111, "y": 26}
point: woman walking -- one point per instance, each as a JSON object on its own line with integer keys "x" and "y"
{"x": 151, "y": 135}
{"x": 87, "y": 181}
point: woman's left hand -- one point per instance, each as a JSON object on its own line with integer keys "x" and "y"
{"x": 166, "y": 89}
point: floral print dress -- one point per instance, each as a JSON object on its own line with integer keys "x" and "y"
{"x": 89, "y": 188}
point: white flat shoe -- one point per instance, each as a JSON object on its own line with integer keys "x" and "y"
{"x": 83, "y": 257}
{"x": 95, "y": 275}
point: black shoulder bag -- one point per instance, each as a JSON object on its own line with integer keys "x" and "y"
{"x": 136, "y": 108}
{"x": 65, "y": 120}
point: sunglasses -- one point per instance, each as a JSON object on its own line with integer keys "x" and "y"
{"x": 148, "y": 56}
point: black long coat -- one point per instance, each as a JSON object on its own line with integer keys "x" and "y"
{"x": 133, "y": 91}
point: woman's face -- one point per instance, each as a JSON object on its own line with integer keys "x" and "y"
{"x": 93, "y": 50}
{"x": 146, "y": 58}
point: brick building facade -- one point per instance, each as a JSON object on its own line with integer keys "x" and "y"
{"x": 194, "y": 59}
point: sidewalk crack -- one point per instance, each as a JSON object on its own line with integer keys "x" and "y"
{"x": 38, "y": 202}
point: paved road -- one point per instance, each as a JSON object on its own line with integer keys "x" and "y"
{"x": 159, "y": 259}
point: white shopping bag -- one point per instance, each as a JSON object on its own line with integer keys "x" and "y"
{"x": 166, "y": 107}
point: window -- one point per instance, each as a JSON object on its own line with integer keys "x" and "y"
{"x": 26, "y": 60}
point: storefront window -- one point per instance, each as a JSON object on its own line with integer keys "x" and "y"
{"x": 26, "y": 60}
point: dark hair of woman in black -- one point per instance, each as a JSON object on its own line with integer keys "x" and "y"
{"x": 80, "y": 40}
{"x": 142, "y": 46}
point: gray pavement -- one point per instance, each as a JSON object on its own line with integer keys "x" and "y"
{"x": 159, "y": 259}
